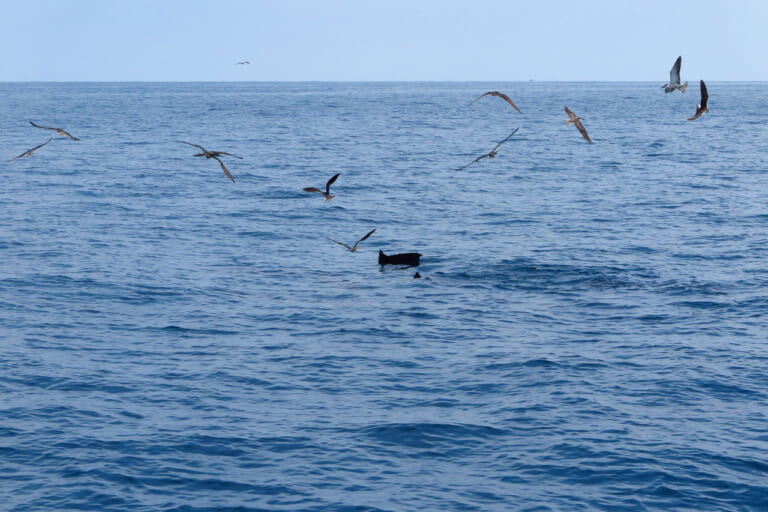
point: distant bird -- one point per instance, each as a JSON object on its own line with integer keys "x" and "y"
{"x": 241, "y": 63}
{"x": 577, "y": 121}
{"x": 493, "y": 152}
{"x": 500, "y": 95}
{"x": 29, "y": 151}
{"x": 327, "y": 193}
{"x": 417, "y": 276}
{"x": 702, "y": 107}
{"x": 674, "y": 78}
{"x": 215, "y": 155}
{"x": 354, "y": 248}
{"x": 60, "y": 131}
{"x": 407, "y": 258}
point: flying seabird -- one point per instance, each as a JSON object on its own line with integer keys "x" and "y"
{"x": 327, "y": 192}
{"x": 674, "y": 78}
{"x": 29, "y": 151}
{"x": 577, "y": 121}
{"x": 60, "y": 131}
{"x": 500, "y": 95}
{"x": 215, "y": 155}
{"x": 492, "y": 153}
{"x": 702, "y": 107}
{"x": 354, "y": 247}
{"x": 241, "y": 63}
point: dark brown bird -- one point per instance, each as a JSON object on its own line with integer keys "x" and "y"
{"x": 29, "y": 151}
{"x": 241, "y": 63}
{"x": 60, "y": 131}
{"x": 500, "y": 95}
{"x": 215, "y": 155}
{"x": 327, "y": 193}
{"x": 574, "y": 119}
{"x": 702, "y": 107}
{"x": 354, "y": 248}
{"x": 493, "y": 152}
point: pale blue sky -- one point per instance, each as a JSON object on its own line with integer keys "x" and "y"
{"x": 496, "y": 40}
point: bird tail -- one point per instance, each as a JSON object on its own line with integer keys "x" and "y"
{"x": 683, "y": 86}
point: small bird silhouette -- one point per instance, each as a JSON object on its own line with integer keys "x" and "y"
{"x": 29, "y": 151}
{"x": 493, "y": 152}
{"x": 574, "y": 119}
{"x": 60, "y": 131}
{"x": 241, "y": 63}
{"x": 354, "y": 248}
{"x": 327, "y": 193}
{"x": 500, "y": 95}
{"x": 702, "y": 107}
{"x": 215, "y": 156}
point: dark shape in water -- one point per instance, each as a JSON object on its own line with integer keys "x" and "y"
{"x": 410, "y": 259}
{"x": 417, "y": 276}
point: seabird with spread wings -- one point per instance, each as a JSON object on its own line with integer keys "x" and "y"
{"x": 500, "y": 95}
{"x": 674, "y": 78}
{"x": 60, "y": 131}
{"x": 215, "y": 155}
{"x": 492, "y": 153}
{"x": 574, "y": 119}
{"x": 327, "y": 193}
{"x": 702, "y": 107}
{"x": 354, "y": 248}
{"x": 30, "y": 151}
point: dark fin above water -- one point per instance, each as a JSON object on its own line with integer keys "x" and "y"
{"x": 410, "y": 259}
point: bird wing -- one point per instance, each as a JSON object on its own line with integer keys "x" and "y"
{"x": 189, "y": 144}
{"x": 331, "y": 182}
{"x": 228, "y": 154}
{"x": 475, "y": 160}
{"x": 582, "y": 130}
{"x": 507, "y": 99}
{"x": 340, "y": 243}
{"x": 366, "y": 236}
{"x": 312, "y": 189}
{"x": 704, "y": 95}
{"x": 484, "y": 94}
{"x": 674, "y": 73}
{"x": 505, "y": 140}
{"x": 224, "y": 168}
{"x": 38, "y": 126}
{"x": 570, "y": 114}
{"x": 67, "y": 134}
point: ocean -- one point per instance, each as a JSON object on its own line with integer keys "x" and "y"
{"x": 588, "y": 333}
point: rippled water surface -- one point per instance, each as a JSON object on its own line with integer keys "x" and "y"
{"x": 589, "y": 332}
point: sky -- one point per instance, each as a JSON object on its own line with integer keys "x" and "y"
{"x": 383, "y": 40}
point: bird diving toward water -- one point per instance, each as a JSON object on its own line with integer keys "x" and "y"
{"x": 702, "y": 107}
{"x": 215, "y": 155}
{"x": 61, "y": 132}
{"x": 327, "y": 193}
{"x": 674, "y": 78}
{"x": 574, "y": 119}
{"x": 354, "y": 248}
{"x": 493, "y": 152}
{"x": 500, "y": 95}
{"x": 29, "y": 151}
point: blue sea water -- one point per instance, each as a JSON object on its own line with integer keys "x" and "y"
{"x": 589, "y": 332}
